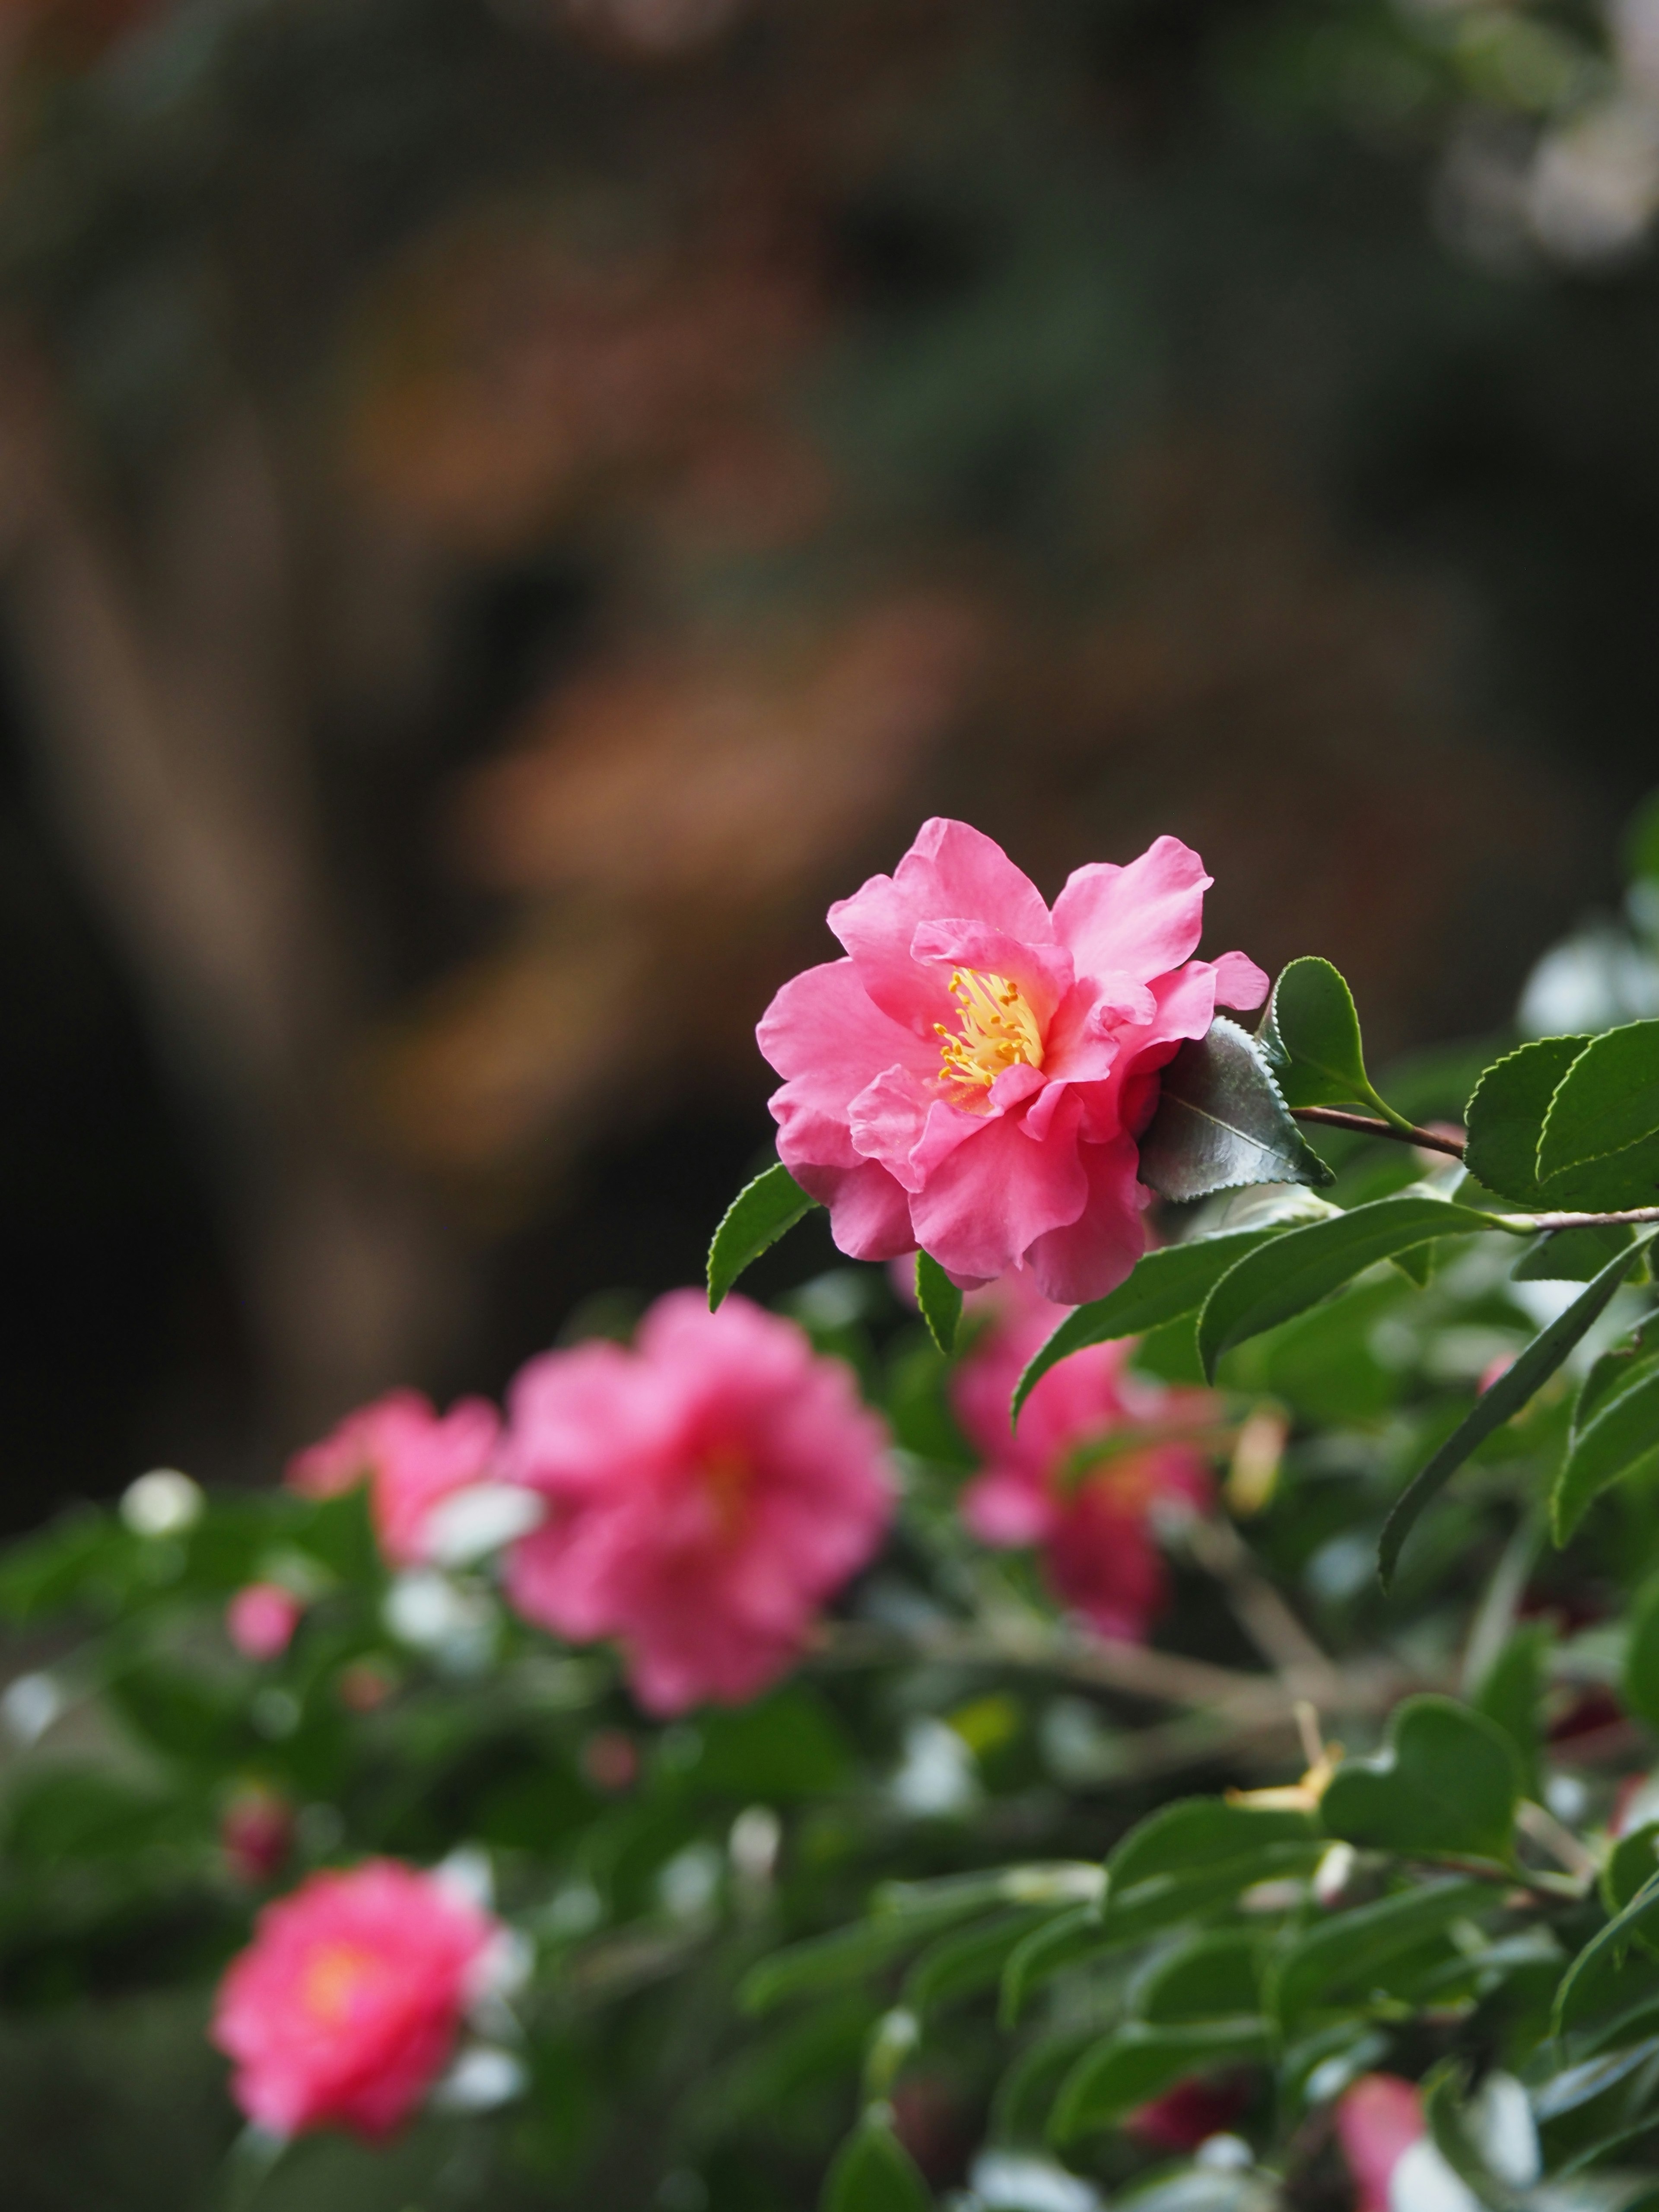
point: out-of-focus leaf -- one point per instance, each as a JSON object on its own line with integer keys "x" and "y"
{"x": 1606, "y": 1102}
{"x": 1446, "y": 1782}
{"x": 62, "y": 1566}
{"x": 1572, "y": 1255}
{"x": 826, "y": 1962}
{"x": 1165, "y": 1285}
{"x": 178, "y": 1712}
{"x": 1303, "y": 1266}
{"x": 785, "y": 1746}
{"x": 1214, "y": 1977}
{"x": 1197, "y": 1853}
{"x": 1310, "y": 1037}
{"x": 1630, "y": 1866}
{"x": 1640, "y": 1685}
{"x": 1221, "y": 1123}
{"x": 1585, "y": 1982}
{"x": 874, "y": 2173}
{"x": 1064, "y": 1940}
{"x": 1618, "y": 1438}
{"x": 756, "y": 1218}
{"x": 968, "y": 1960}
{"x": 1137, "y": 2063}
{"x": 1335, "y": 1961}
{"x": 1506, "y": 1397}
{"x": 1511, "y": 1693}
{"x": 63, "y": 1813}
{"x": 940, "y": 1301}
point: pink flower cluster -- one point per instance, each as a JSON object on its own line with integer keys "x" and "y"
{"x": 972, "y": 1078}
{"x": 1068, "y": 1480}
{"x": 346, "y": 2006}
{"x": 411, "y": 1459}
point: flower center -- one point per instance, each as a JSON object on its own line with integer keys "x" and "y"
{"x": 998, "y": 1031}
{"x": 334, "y": 1973}
{"x": 727, "y": 1476}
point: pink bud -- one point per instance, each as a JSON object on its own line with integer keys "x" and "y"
{"x": 255, "y": 1835}
{"x": 260, "y": 1620}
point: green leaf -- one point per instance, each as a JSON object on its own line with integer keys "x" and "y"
{"x": 1064, "y": 1940}
{"x": 1630, "y": 1866}
{"x": 1608, "y": 1101}
{"x": 1310, "y": 1037}
{"x": 1447, "y": 1781}
{"x": 756, "y": 1218}
{"x": 1221, "y": 1123}
{"x": 1571, "y": 1255}
{"x": 1198, "y": 1853}
{"x": 847, "y": 1954}
{"x": 874, "y": 2173}
{"x": 1135, "y": 2065}
{"x": 1303, "y": 1266}
{"x": 1585, "y": 1979}
{"x": 1639, "y": 1687}
{"x": 940, "y": 1301}
{"x": 1214, "y": 1977}
{"x": 1165, "y": 1285}
{"x": 1506, "y": 1114}
{"x": 1616, "y": 1441}
{"x": 1511, "y": 1693}
{"x": 1614, "y": 1371}
{"x": 969, "y": 1959}
{"x": 1339, "y": 1957}
{"x": 1506, "y": 1397}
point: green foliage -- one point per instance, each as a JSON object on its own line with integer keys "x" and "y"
{"x": 940, "y": 1301}
{"x": 762, "y": 1211}
{"x": 1221, "y": 1122}
{"x": 1446, "y": 1785}
{"x": 1310, "y": 1037}
{"x": 1607, "y": 1102}
{"x": 874, "y": 2172}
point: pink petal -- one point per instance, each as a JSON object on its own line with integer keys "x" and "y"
{"x": 1140, "y": 920}
{"x": 1239, "y": 983}
{"x": 869, "y": 1212}
{"x": 997, "y": 1193}
{"x": 822, "y": 1034}
{"x": 1007, "y": 1506}
{"x": 1043, "y": 972}
{"x": 1095, "y": 1252}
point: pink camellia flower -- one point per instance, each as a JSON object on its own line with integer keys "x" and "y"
{"x": 261, "y": 1619}
{"x": 1378, "y": 2118}
{"x": 1057, "y": 1480}
{"x": 973, "y": 1076}
{"x": 707, "y": 1491}
{"x": 345, "y": 2008}
{"x": 412, "y": 1458}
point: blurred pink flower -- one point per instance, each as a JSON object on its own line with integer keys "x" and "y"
{"x": 707, "y": 1491}
{"x": 1188, "y": 2115}
{"x": 345, "y": 2007}
{"x": 1378, "y": 2118}
{"x": 256, "y": 1834}
{"x": 261, "y": 1619}
{"x": 1039, "y": 1486}
{"x": 973, "y": 1076}
{"x": 412, "y": 1458}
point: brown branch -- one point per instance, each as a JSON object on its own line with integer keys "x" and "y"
{"x": 1364, "y": 1125}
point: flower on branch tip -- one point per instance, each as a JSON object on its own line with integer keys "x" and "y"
{"x": 414, "y": 1460}
{"x": 1098, "y": 1453}
{"x": 260, "y": 1620}
{"x": 345, "y": 2008}
{"x": 973, "y": 1076}
{"x": 707, "y": 1491}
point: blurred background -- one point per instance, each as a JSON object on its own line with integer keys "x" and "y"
{"x": 506, "y": 507}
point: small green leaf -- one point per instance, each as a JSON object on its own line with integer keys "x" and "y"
{"x": 1339, "y": 1957}
{"x": 1630, "y": 1866}
{"x": 756, "y": 1218}
{"x": 1165, "y": 1285}
{"x": 1640, "y": 1685}
{"x": 874, "y": 2172}
{"x": 1197, "y": 1853}
{"x": 1615, "y": 1443}
{"x": 968, "y": 1959}
{"x": 1310, "y": 1037}
{"x": 1506, "y": 1397}
{"x": 1447, "y": 1784}
{"x": 1214, "y": 1977}
{"x": 1506, "y": 1114}
{"x": 1064, "y": 1940}
{"x": 1511, "y": 1693}
{"x": 1607, "y": 1100}
{"x": 1303, "y": 1266}
{"x": 1221, "y": 1122}
{"x": 940, "y": 1301}
{"x": 847, "y": 1954}
{"x": 1614, "y": 1372}
{"x": 1138, "y": 2062}
{"x": 1585, "y": 1979}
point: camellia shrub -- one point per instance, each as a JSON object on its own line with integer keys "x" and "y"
{"x": 1141, "y": 1685}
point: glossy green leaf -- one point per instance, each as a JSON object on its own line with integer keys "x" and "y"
{"x": 1616, "y": 1440}
{"x": 1511, "y": 1696}
{"x": 1585, "y": 1981}
{"x": 1216, "y": 1976}
{"x": 1614, "y": 1371}
{"x": 1221, "y": 1123}
{"x": 847, "y": 1954}
{"x": 1639, "y": 1687}
{"x": 1309, "y": 1035}
{"x": 874, "y": 2172}
{"x": 1198, "y": 1853}
{"x": 1506, "y": 1116}
{"x": 1165, "y": 1285}
{"x": 1338, "y": 1959}
{"x": 1572, "y": 1255}
{"x": 1303, "y": 1266}
{"x": 756, "y": 1218}
{"x": 1629, "y": 1867}
{"x": 1446, "y": 1783}
{"x": 1506, "y": 1397}
{"x": 1065, "y": 1939}
{"x": 940, "y": 1301}
{"x": 969, "y": 1959}
{"x": 1138, "y": 2062}
{"x": 1606, "y": 1102}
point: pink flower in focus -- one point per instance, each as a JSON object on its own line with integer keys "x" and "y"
{"x": 707, "y": 1491}
{"x": 412, "y": 1458}
{"x": 973, "y": 1076}
{"x": 345, "y": 2007}
{"x": 1038, "y": 1486}
{"x": 1378, "y": 2118}
{"x": 261, "y": 1619}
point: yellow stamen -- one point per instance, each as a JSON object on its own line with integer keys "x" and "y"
{"x": 998, "y": 1031}
{"x": 334, "y": 1973}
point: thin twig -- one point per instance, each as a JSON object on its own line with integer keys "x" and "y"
{"x": 1277, "y": 1633}
{"x": 1540, "y": 1823}
{"x": 1527, "y": 1224}
{"x": 1365, "y": 1125}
